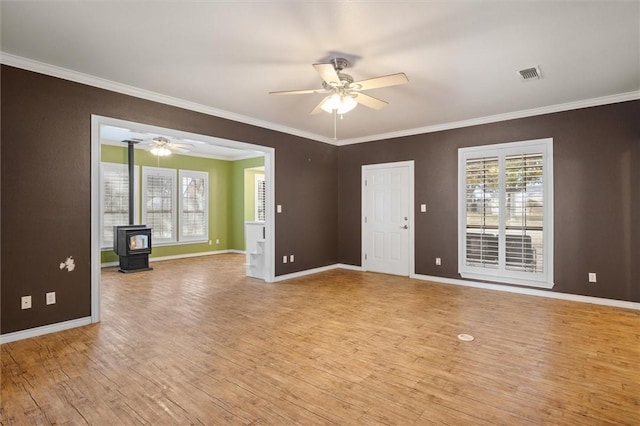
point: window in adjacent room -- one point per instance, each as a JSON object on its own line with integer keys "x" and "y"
{"x": 194, "y": 206}
{"x": 261, "y": 195}
{"x": 115, "y": 199}
{"x": 505, "y": 213}
{"x": 159, "y": 201}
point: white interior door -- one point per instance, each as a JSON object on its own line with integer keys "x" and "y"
{"x": 387, "y": 222}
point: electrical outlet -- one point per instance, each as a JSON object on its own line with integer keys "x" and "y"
{"x": 291, "y": 258}
{"x": 284, "y": 259}
{"x": 26, "y": 302}
{"x": 51, "y": 298}
{"x": 423, "y": 208}
{"x": 210, "y": 242}
{"x": 592, "y": 277}
{"x": 217, "y": 241}
{"x": 438, "y": 261}
{"x": 279, "y": 208}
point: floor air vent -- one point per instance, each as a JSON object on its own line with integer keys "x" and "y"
{"x": 530, "y": 74}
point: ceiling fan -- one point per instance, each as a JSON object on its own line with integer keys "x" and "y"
{"x": 343, "y": 93}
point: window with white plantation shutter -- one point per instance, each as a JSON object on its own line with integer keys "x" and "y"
{"x": 159, "y": 203}
{"x": 524, "y": 210}
{"x": 115, "y": 199}
{"x": 482, "y": 214}
{"x": 261, "y": 194}
{"x": 506, "y": 213}
{"x": 194, "y": 206}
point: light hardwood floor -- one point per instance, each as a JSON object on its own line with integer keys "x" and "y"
{"x": 195, "y": 342}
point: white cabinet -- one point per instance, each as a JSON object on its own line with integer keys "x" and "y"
{"x": 254, "y": 235}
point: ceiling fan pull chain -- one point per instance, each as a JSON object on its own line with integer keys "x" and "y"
{"x": 335, "y": 124}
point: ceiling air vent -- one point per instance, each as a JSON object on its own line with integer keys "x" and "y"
{"x": 530, "y": 74}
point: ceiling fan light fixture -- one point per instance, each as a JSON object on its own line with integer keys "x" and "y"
{"x": 160, "y": 151}
{"x": 339, "y": 103}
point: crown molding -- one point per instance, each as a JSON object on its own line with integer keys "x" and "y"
{"x": 101, "y": 83}
{"x": 66, "y": 74}
{"x": 586, "y": 103}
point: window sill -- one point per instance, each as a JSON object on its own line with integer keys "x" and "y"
{"x": 508, "y": 280}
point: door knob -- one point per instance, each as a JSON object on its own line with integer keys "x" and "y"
{"x": 405, "y": 227}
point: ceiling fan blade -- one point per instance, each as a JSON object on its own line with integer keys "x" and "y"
{"x": 384, "y": 81}
{"x": 182, "y": 145}
{"x": 193, "y": 142}
{"x": 318, "y": 109}
{"x": 370, "y": 101}
{"x": 328, "y": 74}
{"x": 297, "y": 92}
{"x": 178, "y": 149}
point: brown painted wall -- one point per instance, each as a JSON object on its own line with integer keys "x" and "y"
{"x": 46, "y": 189}
{"x": 45, "y": 193}
{"x": 596, "y": 186}
{"x": 634, "y": 189}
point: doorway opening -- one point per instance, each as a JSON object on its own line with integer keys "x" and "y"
{"x": 110, "y": 131}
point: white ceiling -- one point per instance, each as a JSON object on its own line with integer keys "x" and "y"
{"x": 223, "y": 57}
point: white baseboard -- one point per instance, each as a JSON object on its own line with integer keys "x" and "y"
{"x": 186, "y": 255}
{"x": 476, "y": 284}
{"x": 178, "y": 256}
{"x": 487, "y": 286}
{"x": 45, "y": 329}
{"x": 308, "y": 272}
{"x": 531, "y": 292}
{"x": 349, "y": 267}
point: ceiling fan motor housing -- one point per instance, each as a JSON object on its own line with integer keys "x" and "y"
{"x": 345, "y": 81}
{"x": 339, "y": 64}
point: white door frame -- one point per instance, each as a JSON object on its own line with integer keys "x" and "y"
{"x": 269, "y": 174}
{"x": 410, "y": 165}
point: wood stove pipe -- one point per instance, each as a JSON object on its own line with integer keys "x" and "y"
{"x": 131, "y": 164}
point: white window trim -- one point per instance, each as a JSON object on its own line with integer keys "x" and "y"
{"x": 158, "y": 171}
{"x": 541, "y": 280}
{"x": 195, "y": 175}
{"x": 105, "y": 166}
